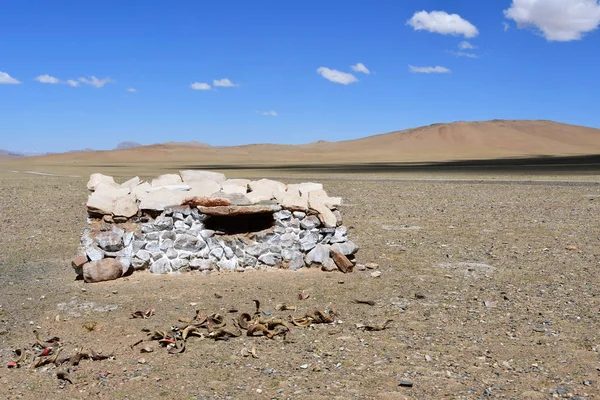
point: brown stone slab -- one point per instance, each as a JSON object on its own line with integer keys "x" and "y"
{"x": 342, "y": 262}
{"x": 198, "y": 201}
{"x": 239, "y": 210}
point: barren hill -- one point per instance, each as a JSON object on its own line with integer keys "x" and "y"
{"x": 439, "y": 142}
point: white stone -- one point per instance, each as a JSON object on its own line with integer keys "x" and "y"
{"x": 141, "y": 189}
{"x": 161, "y": 266}
{"x": 166, "y": 180}
{"x": 201, "y": 175}
{"x": 346, "y": 248}
{"x": 179, "y": 188}
{"x": 228, "y": 265}
{"x": 131, "y": 183}
{"x": 96, "y": 179}
{"x": 317, "y": 255}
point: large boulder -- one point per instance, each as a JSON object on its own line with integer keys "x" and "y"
{"x": 192, "y": 175}
{"x": 106, "y": 269}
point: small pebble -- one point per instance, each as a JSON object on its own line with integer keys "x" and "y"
{"x": 304, "y": 366}
{"x": 114, "y": 292}
{"x": 83, "y": 289}
{"x": 419, "y": 295}
{"x": 376, "y": 274}
{"x": 405, "y": 384}
{"x": 142, "y": 361}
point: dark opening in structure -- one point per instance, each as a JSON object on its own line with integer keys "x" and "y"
{"x": 241, "y": 223}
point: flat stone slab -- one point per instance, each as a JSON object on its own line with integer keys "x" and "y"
{"x": 240, "y": 210}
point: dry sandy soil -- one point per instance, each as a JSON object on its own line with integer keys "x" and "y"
{"x": 507, "y": 306}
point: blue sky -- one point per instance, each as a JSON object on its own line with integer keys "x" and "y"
{"x": 530, "y": 59}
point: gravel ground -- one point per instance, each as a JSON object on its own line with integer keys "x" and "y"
{"x": 493, "y": 288}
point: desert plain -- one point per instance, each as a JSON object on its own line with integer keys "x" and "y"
{"x": 490, "y": 275}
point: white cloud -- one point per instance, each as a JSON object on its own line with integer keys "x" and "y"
{"x": 72, "y": 83}
{"x": 442, "y": 22}
{"x": 47, "y": 79}
{"x": 464, "y": 54}
{"x": 464, "y": 45}
{"x": 131, "y": 90}
{"x": 557, "y": 20}
{"x": 360, "y": 67}
{"x": 429, "y": 70}
{"x": 200, "y": 86}
{"x": 336, "y": 76}
{"x": 271, "y": 113}
{"x": 224, "y": 83}
{"x": 6, "y": 79}
{"x": 95, "y": 82}
{"x": 506, "y": 26}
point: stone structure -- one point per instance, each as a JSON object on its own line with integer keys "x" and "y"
{"x": 200, "y": 220}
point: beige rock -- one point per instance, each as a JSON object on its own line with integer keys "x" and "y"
{"x": 325, "y": 215}
{"x": 102, "y": 201}
{"x": 160, "y": 199}
{"x": 294, "y": 202}
{"x": 203, "y": 188}
{"x": 106, "y": 269}
{"x": 193, "y": 175}
{"x": 141, "y": 189}
{"x": 238, "y": 210}
{"x": 125, "y": 206}
{"x": 238, "y": 182}
{"x": 266, "y": 187}
{"x": 256, "y": 197}
{"x": 96, "y": 179}
{"x": 133, "y": 182}
{"x": 306, "y": 187}
{"x": 166, "y": 180}
{"x": 233, "y": 189}
{"x": 321, "y": 195}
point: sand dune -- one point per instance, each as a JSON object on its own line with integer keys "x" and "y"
{"x": 434, "y": 143}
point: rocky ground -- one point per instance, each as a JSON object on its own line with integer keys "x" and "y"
{"x": 493, "y": 289}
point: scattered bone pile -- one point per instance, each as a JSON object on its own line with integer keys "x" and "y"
{"x": 200, "y": 220}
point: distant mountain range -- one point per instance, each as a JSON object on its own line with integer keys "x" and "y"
{"x": 120, "y": 146}
{"x": 477, "y": 140}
